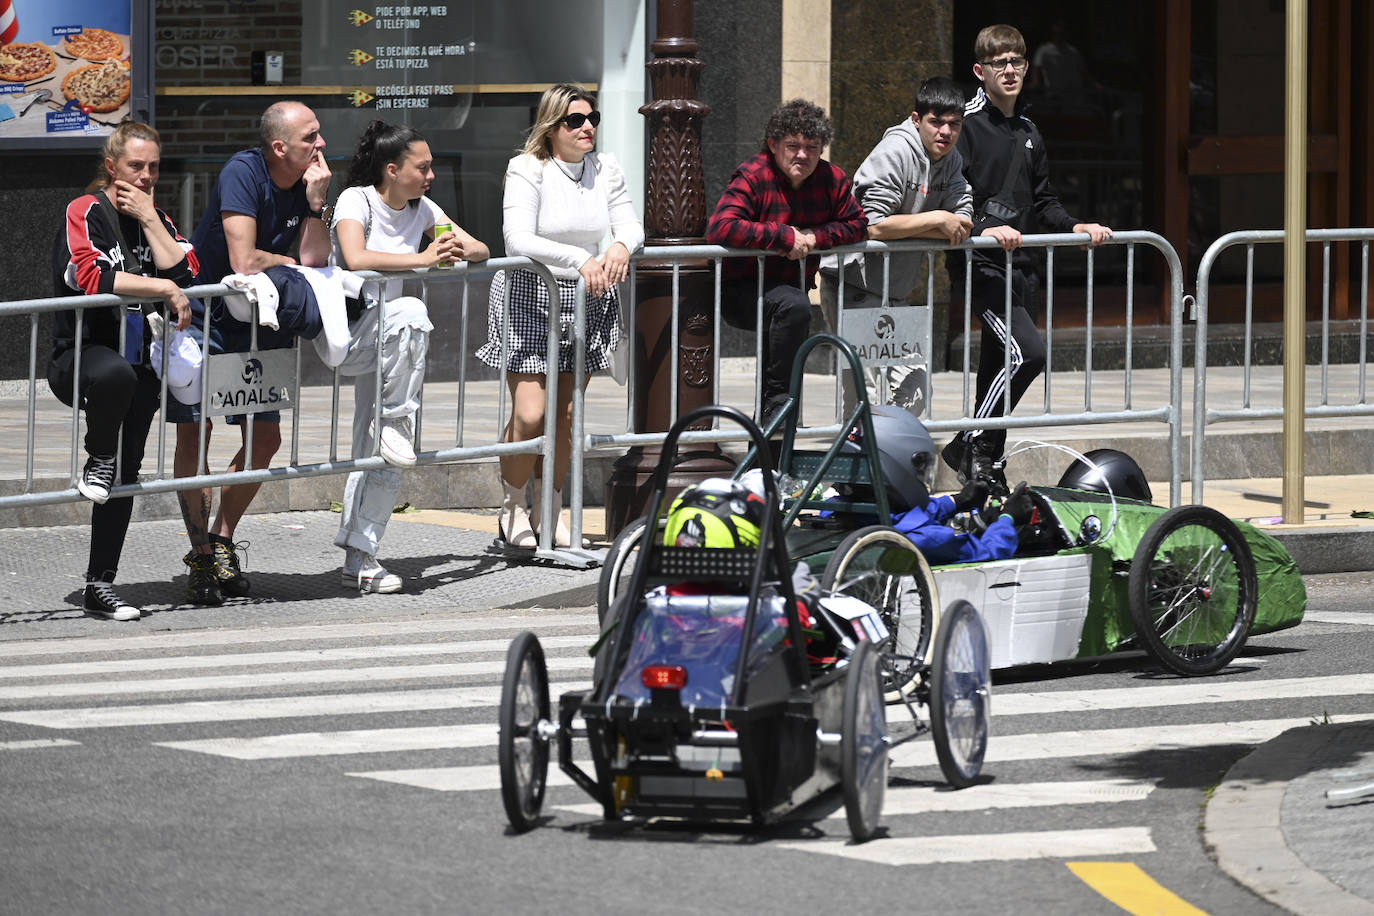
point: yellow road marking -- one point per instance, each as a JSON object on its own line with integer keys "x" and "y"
{"x": 1131, "y": 888}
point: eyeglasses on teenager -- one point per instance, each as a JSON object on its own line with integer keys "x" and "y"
{"x": 1016, "y": 63}
{"x": 577, "y": 119}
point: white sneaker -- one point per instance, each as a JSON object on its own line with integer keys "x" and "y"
{"x": 363, "y": 572}
{"x": 396, "y": 442}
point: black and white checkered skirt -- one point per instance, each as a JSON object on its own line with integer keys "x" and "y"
{"x": 527, "y": 329}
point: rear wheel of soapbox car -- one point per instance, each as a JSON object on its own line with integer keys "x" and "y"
{"x": 882, "y": 568}
{"x": 524, "y": 724}
{"x": 863, "y": 743}
{"x": 618, "y": 567}
{"x": 960, "y": 694}
{"x": 1193, "y": 590}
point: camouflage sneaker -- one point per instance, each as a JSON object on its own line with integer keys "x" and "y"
{"x": 232, "y": 581}
{"x": 202, "y": 583}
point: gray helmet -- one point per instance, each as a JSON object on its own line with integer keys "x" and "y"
{"x": 1113, "y": 468}
{"x": 907, "y": 455}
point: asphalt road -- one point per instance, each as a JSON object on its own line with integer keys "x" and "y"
{"x": 347, "y": 767}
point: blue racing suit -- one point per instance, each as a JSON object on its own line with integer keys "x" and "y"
{"x": 927, "y": 529}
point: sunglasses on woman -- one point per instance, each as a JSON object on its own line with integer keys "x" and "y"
{"x": 577, "y": 119}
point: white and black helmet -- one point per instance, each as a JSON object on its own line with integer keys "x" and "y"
{"x": 907, "y": 455}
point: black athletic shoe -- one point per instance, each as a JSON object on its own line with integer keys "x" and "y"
{"x": 954, "y": 455}
{"x": 101, "y": 601}
{"x": 202, "y": 582}
{"x": 97, "y": 478}
{"x": 232, "y": 581}
{"x": 985, "y": 462}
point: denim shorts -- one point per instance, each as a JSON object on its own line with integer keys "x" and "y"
{"x": 227, "y": 335}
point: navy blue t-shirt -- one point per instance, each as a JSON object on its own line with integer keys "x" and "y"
{"x": 245, "y": 187}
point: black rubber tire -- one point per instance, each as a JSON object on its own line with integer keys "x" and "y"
{"x": 523, "y": 753}
{"x": 1193, "y": 590}
{"x": 618, "y": 567}
{"x": 908, "y": 602}
{"x": 863, "y": 744}
{"x": 960, "y": 694}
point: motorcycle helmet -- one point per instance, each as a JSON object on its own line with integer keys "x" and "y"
{"x": 715, "y": 513}
{"x": 906, "y": 452}
{"x": 1109, "y": 467}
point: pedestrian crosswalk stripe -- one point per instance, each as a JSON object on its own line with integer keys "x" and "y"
{"x": 1353, "y": 617}
{"x": 347, "y": 704}
{"x": 303, "y": 633}
{"x": 459, "y": 779}
{"x": 1180, "y": 693}
{"x": 1118, "y": 741}
{"x": 315, "y": 676}
{"x": 1004, "y": 704}
{"x": 932, "y": 799}
{"x": 905, "y": 800}
{"x": 328, "y": 744}
{"x": 35, "y": 743}
{"x": 287, "y": 657}
{"x": 1091, "y": 743}
{"x": 933, "y": 850}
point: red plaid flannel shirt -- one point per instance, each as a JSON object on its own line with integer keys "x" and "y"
{"x": 760, "y": 208}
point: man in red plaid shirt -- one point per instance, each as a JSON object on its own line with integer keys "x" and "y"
{"x": 789, "y": 201}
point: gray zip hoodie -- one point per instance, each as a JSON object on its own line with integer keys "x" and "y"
{"x": 898, "y": 177}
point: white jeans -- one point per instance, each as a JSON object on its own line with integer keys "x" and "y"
{"x": 370, "y": 496}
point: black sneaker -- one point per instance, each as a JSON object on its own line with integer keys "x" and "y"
{"x": 985, "y": 462}
{"x": 101, "y": 601}
{"x": 232, "y": 581}
{"x": 202, "y": 582}
{"x": 97, "y": 478}
{"x": 954, "y": 455}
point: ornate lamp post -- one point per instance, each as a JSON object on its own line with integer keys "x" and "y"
{"x": 674, "y": 214}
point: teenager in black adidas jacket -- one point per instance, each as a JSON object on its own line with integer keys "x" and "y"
{"x": 115, "y": 240}
{"x": 1010, "y": 196}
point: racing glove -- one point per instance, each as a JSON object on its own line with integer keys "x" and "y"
{"x": 973, "y": 496}
{"x": 1018, "y": 505}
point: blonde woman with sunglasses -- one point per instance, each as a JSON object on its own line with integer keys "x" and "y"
{"x": 562, "y": 200}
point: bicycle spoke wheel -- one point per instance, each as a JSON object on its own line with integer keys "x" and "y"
{"x": 960, "y": 694}
{"x": 619, "y": 566}
{"x": 1193, "y": 590}
{"x": 522, "y": 749}
{"x": 863, "y": 744}
{"x": 882, "y": 568}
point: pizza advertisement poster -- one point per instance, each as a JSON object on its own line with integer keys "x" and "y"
{"x": 66, "y": 69}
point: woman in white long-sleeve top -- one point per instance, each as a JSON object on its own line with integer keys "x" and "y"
{"x": 562, "y": 198}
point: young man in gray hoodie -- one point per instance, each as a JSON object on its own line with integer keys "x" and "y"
{"x": 911, "y": 186}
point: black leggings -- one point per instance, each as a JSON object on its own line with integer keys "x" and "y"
{"x": 113, "y": 393}
{"x": 787, "y": 314}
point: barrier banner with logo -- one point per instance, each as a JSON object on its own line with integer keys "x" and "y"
{"x": 241, "y": 383}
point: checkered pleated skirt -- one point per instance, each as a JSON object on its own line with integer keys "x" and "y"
{"x": 527, "y": 328}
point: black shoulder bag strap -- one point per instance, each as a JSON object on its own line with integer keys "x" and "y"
{"x": 1001, "y": 206}
{"x": 128, "y": 253}
{"x": 131, "y": 264}
{"x": 353, "y": 305}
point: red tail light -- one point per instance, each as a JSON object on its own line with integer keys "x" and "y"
{"x": 664, "y": 677}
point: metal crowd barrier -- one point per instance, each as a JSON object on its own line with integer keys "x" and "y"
{"x": 157, "y": 481}
{"x": 1204, "y": 416}
{"x": 1169, "y": 414}
{"x": 1051, "y": 414}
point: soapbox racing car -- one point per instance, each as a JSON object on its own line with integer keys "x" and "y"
{"x": 734, "y": 698}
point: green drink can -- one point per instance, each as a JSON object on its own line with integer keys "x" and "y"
{"x": 440, "y": 229}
